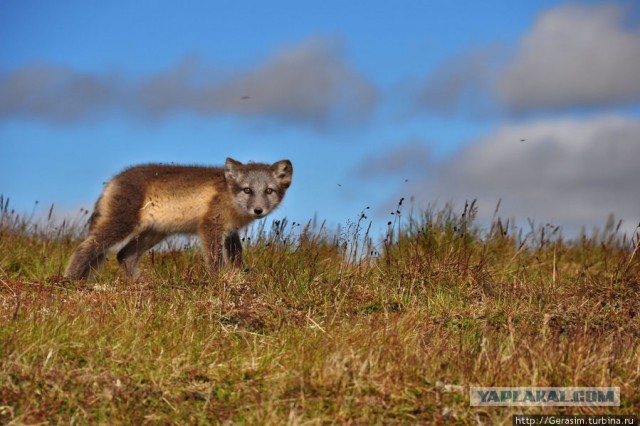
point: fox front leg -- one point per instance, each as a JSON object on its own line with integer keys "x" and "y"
{"x": 212, "y": 237}
{"x": 233, "y": 249}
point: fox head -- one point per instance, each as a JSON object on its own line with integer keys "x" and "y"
{"x": 257, "y": 188}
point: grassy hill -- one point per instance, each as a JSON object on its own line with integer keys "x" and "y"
{"x": 321, "y": 328}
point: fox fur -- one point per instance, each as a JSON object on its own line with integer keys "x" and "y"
{"x": 144, "y": 204}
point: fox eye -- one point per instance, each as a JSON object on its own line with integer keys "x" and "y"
{"x": 247, "y": 190}
{"x": 269, "y": 191}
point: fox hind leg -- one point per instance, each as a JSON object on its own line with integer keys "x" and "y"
{"x": 130, "y": 254}
{"x": 92, "y": 251}
{"x": 87, "y": 257}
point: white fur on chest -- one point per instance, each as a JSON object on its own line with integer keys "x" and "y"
{"x": 175, "y": 211}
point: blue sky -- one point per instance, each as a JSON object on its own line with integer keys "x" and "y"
{"x": 536, "y": 103}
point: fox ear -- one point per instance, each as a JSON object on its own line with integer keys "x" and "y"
{"x": 283, "y": 170}
{"x": 231, "y": 169}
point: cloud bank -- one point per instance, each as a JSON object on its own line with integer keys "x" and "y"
{"x": 574, "y": 56}
{"x": 408, "y": 158}
{"x": 309, "y": 83}
{"x": 54, "y": 93}
{"x": 570, "y": 172}
{"x": 462, "y": 83}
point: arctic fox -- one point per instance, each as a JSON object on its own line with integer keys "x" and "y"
{"x": 144, "y": 204}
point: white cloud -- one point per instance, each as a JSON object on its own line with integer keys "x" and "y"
{"x": 569, "y": 172}
{"x": 410, "y": 158}
{"x": 54, "y": 93}
{"x": 463, "y": 82}
{"x": 308, "y": 83}
{"x": 575, "y": 55}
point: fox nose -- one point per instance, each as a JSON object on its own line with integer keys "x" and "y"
{"x": 258, "y": 211}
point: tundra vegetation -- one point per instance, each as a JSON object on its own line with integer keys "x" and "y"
{"x": 323, "y": 327}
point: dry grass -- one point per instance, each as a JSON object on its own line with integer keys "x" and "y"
{"x": 320, "y": 329}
